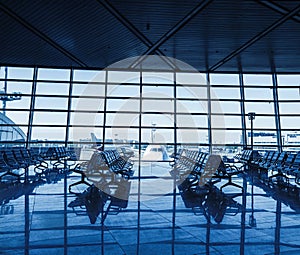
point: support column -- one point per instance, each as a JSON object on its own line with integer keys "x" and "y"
{"x": 276, "y": 111}
{"x": 243, "y": 115}
{"x": 209, "y": 113}
{"x": 32, "y": 103}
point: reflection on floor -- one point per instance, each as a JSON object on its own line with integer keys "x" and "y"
{"x": 35, "y": 218}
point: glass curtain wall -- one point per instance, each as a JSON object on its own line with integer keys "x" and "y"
{"x": 88, "y": 108}
{"x": 289, "y": 103}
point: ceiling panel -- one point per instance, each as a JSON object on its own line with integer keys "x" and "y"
{"x": 154, "y": 18}
{"x": 98, "y": 33}
{"x": 21, "y": 46}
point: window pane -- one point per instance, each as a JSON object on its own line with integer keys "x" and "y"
{"x": 123, "y": 90}
{"x": 50, "y": 118}
{"x": 257, "y": 79}
{"x": 48, "y": 133}
{"x": 233, "y": 137}
{"x": 191, "y": 78}
{"x": 158, "y": 92}
{"x": 123, "y": 77}
{"x": 23, "y": 103}
{"x": 86, "y": 118}
{"x": 262, "y": 139}
{"x": 158, "y": 78}
{"x": 227, "y": 122}
{"x": 257, "y": 93}
{"x": 123, "y": 105}
{"x": 22, "y": 87}
{"x": 20, "y": 73}
{"x": 88, "y": 90}
{"x": 186, "y": 106}
{"x": 290, "y": 122}
{"x": 54, "y": 74}
{"x": 158, "y": 106}
{"x": 224, "y": 79}
{"x": 51, "y": 103}
{"x": 122, "y": 119}
{"x": 83, "y": 134}
{"x": 218, "y": 137}
{"x": 52, "y": 89}
{"x": 89, "y": 76}
{"x": 122, "y": 133}
{"x": 289, "y": 94}
{"x": 289, "y": 108}
{"x": 191, "y": 92}
{"x": 160, "y": 120}
{"x": 225, "y": 93}
{"x": 261, "y": 107}
{"x": 18, "y": 117}
{"x": 191, "y": 121}
{"x": 288, "y": 80}
{"x": 161, "y": 136}
{"x": 225, "y": 107}
{"x": 267, "y": 122}
{"x": 192, "y": 136}
{"x": 87, "y": 104}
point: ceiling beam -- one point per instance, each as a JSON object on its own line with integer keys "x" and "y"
{"x": 109, "y": 7}
{"x": 40, "y": 34}
{"x": 173, "y": 31}
{"x": 279, "y": 9}
{"x": 256, "y": 38}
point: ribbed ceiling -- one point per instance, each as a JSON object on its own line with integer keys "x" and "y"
{"x": 98, "y": 33}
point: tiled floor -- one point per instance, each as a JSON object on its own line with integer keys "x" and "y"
{"x": 41, "y": 222}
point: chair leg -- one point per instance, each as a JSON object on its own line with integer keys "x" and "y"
{"x": 230, "y": 183}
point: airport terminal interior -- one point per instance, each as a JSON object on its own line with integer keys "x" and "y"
{"x": 149, "y": 127}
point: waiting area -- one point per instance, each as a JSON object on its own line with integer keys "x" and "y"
{"x": 196, "y": 203}
{"x": 149, "y": 127}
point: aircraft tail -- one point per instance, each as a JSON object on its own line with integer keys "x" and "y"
{"x": 97, "y": 142}
{"x": 94, "y": 138}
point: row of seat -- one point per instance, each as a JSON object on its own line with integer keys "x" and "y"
{"x": 189, "y": 163}
{"x": 274, "y": 172}
{"x": 194, "y": 168}
{"x": 15, "y": 159}
{"x": 103, "y": 165}
{"x": 59, "y": 156}
{"x": 196, "y": 173}
{"x": 273, "y": 164}
{"x": 117, "y": 163}
{"x": 247, "y": 156}
{"x": 14, "y": 162}
{"x": 58, "y": 153}
{"x": 106, "y": 176}
{"x": 279, "y": 164}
